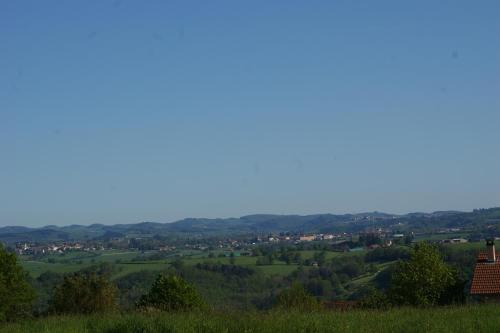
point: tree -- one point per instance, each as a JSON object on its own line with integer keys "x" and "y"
{"x": 296, "y": 298}
{"x": 45, "y": 284}
{"x": 423, "y": 280}
{"x": 16, "y": 295}
{"x": 172, "y": 293}
{"x": 84, "y": 293}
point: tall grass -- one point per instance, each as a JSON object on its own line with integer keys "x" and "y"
{"x": 477, "y": 318}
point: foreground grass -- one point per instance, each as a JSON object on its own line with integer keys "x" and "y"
{"x": 483, "y": 318}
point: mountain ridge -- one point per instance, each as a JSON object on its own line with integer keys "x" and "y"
{"x": 255, "y": 223}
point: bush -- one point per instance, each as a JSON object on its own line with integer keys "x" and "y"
{"x": 84, "y": 293}
{"x": 16, "y": 295}
{"x": 171, "y": 293}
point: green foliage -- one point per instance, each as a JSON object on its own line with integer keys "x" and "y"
{"x": 349, "y": 266}
{"x": 424, "y": 280}
{"x": 16, "y": 295}
{"x": 132, "y": 286}
{"x": 227, "y": 270}
{"x": 296, "y": 298}
{"x": 45, "y": 285}
{"x": 171, "y": 293}
{"x": 84, "y": 293}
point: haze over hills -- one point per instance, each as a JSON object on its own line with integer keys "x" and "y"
{"x": 259, "y": 224}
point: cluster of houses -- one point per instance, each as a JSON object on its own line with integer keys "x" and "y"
{"x": 37, "y": 249}
{"x": 306, "y": 237}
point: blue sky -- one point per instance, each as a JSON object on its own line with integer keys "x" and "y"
{"x": 126, "y": 111}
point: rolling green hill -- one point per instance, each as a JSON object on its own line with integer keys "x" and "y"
{"x": 482, "y": 220}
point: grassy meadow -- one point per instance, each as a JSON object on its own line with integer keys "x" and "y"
{"x": 474, "y": 318}
{"x": 125, "y": 263}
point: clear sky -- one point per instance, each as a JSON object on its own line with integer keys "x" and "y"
{"x": 128, "y": 111}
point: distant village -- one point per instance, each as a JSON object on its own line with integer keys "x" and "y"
{"x": 370, "y": 239}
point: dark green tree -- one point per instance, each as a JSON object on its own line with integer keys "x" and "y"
{"x": 84, "y": 293}
{"x": 16, "y": 295}
{"x": 172, "y": 293}
{"x": 423, "y": 280}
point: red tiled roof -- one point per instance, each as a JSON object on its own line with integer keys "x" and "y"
{"x": 483, "y": 255}
{"x": 486, "y": 279}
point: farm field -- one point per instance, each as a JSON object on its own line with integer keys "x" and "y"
{"x": 475, "y": 318}
{"x": 72, "y": 262}
{"x": 127, "y": 262}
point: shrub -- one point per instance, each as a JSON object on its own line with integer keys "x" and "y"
{"x": 84, "y": 293}
{"x": 171, "y": 293}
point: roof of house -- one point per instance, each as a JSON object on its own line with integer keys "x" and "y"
{"x": 486, "y": 278}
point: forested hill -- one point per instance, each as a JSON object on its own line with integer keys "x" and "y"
{"x": 481, "y": 220}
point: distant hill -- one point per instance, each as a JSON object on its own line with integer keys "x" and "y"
{"x": 260, "y": 224}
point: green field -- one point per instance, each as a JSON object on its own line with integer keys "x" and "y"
{"x": 477, "y": 318}
{"x": 74, "y": 261}
{"x": 467, "y": 246}
{"x": 124, "y": 263}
